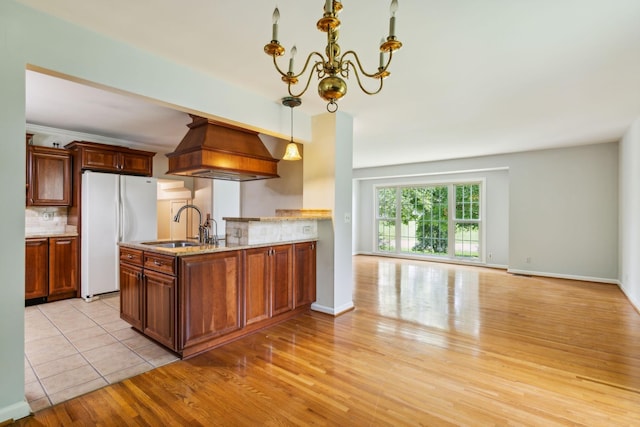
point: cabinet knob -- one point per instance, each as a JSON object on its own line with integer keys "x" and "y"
{"x": 129, "y": 256}
{"x": 158, "y": 263}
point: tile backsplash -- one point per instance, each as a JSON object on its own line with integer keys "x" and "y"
{"x": 47, "y": 220}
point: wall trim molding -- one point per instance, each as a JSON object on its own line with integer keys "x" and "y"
{"x": 81, "y": 136}
{"x": 563, "y": 276}
{"x": 333, "y": 311}
{"x": 15, "y": 411}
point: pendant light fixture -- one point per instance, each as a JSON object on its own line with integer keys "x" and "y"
{"x": 331, "y": 70}
{"x": 291, "y": 153}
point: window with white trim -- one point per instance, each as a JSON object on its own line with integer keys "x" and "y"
{"x": 433, "y": 220}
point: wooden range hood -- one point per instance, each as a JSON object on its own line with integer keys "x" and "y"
{"x": 219, "y": 151}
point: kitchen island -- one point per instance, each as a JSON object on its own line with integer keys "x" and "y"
{"x": 197, "y": 297}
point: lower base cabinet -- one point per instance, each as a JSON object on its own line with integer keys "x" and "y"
{"x": 210, "y": 297}
{"x": 160, "y": 308}
{"x": 131, "y": 294}
{"x": 51, "y": 268}
{"x": 36, "y": 274}
{"x": 196, "y": 302}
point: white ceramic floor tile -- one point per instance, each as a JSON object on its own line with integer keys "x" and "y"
{"x": 85, "y": 333}
{"x": 77, "y": 390}
{"x": 59, "y": 366}
{"x": 97, "y": 341}
{"x": 33, "y": 391}
{"x": 110, "y": 351}
{"x": 125, "y": 334}
{"x": 137, "y": 341}
{"x": 48, "y": 349}
{"x": 73, "y": 347}
{"x": 107, "y": 317}
{"x": 29, "y": 374}
{"x": 129, "y": 372}
{"x": 39, "y": 404}
{"x": 116, "y": 326}
{"x": 156, "y": 355}
{"x": 68, "y": 379}
{"x": 114, "y": 364}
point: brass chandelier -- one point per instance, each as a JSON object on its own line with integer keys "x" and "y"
{"x": 331, "y": 69}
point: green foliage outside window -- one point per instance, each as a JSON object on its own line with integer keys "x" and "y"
{"x": 424, "y": 219}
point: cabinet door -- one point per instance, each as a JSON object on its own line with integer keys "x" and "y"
{"x": 131, "y": 294}
{"x": 281, "y": 279}
{"x": 210, "y": 304}
{"x": 135, "y": 164}
{"x": 160, "y": 308}
{"x": 99, "y": 160}
{"x": 36, "y": 277}
{"x": 48, "y": 177}
{"x": 63, "y": 266}
{"x": 257, "y": 284}
{"x": 304, "y": 273}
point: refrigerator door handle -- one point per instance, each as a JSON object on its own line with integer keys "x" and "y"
{"x": 120, "y": 214}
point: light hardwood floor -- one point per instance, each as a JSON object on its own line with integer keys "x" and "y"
{"x": 428, "y": 344}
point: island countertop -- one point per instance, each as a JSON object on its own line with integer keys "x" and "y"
{"x": 278, "y": 218}
{"x": 201, "y": 249}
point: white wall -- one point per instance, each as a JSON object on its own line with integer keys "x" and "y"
{"x": 562, "y": 208}
{"x": 630, "y": 214}
{"x": 263, "y": 197}
{"x": 30, "y": 37}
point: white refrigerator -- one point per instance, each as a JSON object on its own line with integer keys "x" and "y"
{"x": 115, "y": 208}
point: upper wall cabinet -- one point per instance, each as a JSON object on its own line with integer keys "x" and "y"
{"x": 111, "y": 158}
{"x": 48, "y": 176}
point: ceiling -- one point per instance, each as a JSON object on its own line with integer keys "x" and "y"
{"x": 473, "y": 77}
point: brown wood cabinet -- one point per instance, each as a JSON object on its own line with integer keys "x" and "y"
{"x": 304, "y": 276}
{"x": 196, "y": 302}
{"x": 36, "y": 277}
{"x": 111, "y": 158}
{"x": 131, "y": 284}
{"x": 210, "y": 296}
{"x": 63, "y": 267}
{"x": 51, "y": 268}
{"x": 268, "y": 282}
{"x": 160, "y": 308}
{"x": 48, "y": 176}
{"x": 148, "y": 294}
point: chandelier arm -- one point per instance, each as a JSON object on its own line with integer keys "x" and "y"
{"x": 355, "y": 55}
{"x": 368, "y": 92}
{"x": 306, "y": 64}
{"x": 275, "y": 64}
{"x": 306, "y": 86}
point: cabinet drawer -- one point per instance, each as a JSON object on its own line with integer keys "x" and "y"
{"x": 132, "y": 256}
{"x": 161, "y": 263}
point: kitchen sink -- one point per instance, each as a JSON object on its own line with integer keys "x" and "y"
{"x": 172, "y": 243}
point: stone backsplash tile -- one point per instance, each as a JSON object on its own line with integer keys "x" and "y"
{"x": 45, "y": 220}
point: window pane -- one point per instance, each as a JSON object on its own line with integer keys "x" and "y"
{"x": 424, "y": 217}
{"x": 387, "y": 236}
{"x": 468, "y": 201}
{"x": 386, "y": 203}
{"x": 467, "y": 242}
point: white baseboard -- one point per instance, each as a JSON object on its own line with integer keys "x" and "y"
{"x": 15, "y": 411}
{"x": 332, "y": 311}
{"x": 635, "y": 304}
{"x": 562, "y": 276}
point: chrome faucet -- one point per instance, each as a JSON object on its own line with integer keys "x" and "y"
{"x": 203, "y": 232}
{"x": 213, "y": 239}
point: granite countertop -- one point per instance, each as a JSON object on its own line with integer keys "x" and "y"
{"x": 42, "y": 235}
{"x": 202, "y": 249}
{"x": 278, "y": 218}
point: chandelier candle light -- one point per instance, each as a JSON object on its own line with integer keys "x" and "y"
{"x": 335, "y": 65}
